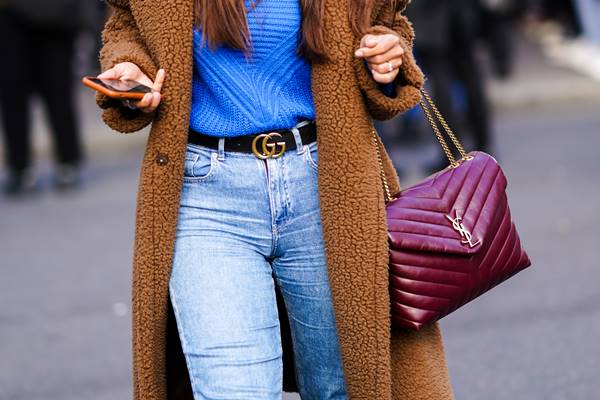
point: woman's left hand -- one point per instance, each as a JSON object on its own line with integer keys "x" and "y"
{"x": 383, "y": 54}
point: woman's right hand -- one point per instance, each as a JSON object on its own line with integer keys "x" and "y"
{"x": 128, "y": 70}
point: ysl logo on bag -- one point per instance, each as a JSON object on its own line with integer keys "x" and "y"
{"x": 460, "y": 228}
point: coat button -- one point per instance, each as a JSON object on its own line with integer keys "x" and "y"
{"x": 162, "y": 159}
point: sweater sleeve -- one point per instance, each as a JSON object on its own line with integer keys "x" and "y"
{"x": 122, "y": 42}
{"x": 404, "y": 92}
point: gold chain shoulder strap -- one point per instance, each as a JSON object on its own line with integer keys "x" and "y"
{"x": 425, "y": 102}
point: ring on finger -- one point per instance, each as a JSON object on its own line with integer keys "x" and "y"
{"x": 390, "y": 66}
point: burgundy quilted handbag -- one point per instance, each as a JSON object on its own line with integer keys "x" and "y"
{"x": 451, "y": 236}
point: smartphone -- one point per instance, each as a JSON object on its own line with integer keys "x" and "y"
{"x": 117, "y": 88}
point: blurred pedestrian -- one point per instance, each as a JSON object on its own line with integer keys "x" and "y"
{"x": 37, "y": 44}
{"x": 432, "y": 23}
{"x": 589, "y": 16}
{"x": 463, "y": 36}
{"x": 562, "y": 11}
{"x": 496, "y": 27}
{"x": 90, "y": 37}
{"x": 446, "y": 33}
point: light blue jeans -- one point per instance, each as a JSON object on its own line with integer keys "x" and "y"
{"x": 244, "y": 225}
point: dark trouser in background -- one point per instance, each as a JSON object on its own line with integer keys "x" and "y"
{"x": 442, "y": 67}
{"x": 437, "y": 64}
{"x": 497, "y": 28}
{"x": 468, "y": 71}
{"x": 36, "y": 60}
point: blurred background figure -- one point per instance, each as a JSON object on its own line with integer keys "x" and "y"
{"x": 468, "y": 50}
{"x": 37, "y": 39}
{"x": 445, "y": 49}
{"x": 560, "y": 13}
{"x": 496, "y": 27}
{"x": 589, "y": 14}
{"x": 568, "y": 32}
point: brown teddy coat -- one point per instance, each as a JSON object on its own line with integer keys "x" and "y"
{"x": 380, "y": 362}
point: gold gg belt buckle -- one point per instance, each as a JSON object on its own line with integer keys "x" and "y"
{"x": 268, "y": 149}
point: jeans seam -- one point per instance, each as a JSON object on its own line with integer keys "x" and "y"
{"x": 184, "y": 343}
{"x": 274, "y": 239}
{"x": 286, "y": 188}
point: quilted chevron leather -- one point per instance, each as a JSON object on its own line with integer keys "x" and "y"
{"x": 451, "y": 239}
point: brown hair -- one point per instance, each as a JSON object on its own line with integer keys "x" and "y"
{"x": 224, "y": 22}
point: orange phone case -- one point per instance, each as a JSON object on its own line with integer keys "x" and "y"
{"x": 111, "y": 93}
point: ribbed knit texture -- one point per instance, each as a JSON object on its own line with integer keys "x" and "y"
{"x": 271, "y": 90}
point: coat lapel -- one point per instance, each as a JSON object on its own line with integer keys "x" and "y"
{"x": 169, "y": 24}
{"x": 352, "y": 213}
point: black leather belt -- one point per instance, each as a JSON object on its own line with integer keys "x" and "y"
{"x": 264, "y": 145}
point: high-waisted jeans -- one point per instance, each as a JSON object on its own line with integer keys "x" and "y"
{"x": 244, "y": 225}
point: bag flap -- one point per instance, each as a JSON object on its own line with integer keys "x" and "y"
{"x": 452, "y": 211}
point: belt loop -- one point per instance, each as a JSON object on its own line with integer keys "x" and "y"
{"x": 221, "y": 149}
{"x": 298, "y": 139}
{"x": 302, "y": 123}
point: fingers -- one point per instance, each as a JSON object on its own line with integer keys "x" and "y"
{"x": 151, "y": 101}
{"x": 159, "y": 80}
{"x": 128, "y": 70}
{"x": 125, "y": 70}
{"x": 385, "y": 48}
{"x": 109, "y": 74}
{"x": 386, "y": 77}
{"x": 380, "y": 51}
{"x": 372, "y": 45}
{"x": 145, "y": 102}
{"x": 384, "y": 67}
{"x": 143, "y": 79}
{"x": 394, "y": 53}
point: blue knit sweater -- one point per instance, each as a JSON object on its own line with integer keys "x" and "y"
{"x": 271, "y": 90}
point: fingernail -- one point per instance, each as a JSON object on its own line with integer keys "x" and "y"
{"x": 358, "y": 53}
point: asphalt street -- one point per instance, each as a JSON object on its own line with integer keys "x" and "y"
{"x": 65, "y": 274}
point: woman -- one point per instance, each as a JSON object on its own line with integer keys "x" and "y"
{"x": 189, "y": 192}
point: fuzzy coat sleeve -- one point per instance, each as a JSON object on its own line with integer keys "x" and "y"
{"x": 410, "y": 79}
{"x": 122, "y": 42}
